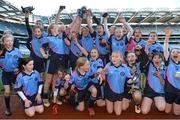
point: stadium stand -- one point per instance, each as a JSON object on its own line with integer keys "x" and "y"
{"x": 147, "y": 19}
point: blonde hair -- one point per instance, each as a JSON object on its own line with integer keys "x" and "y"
{"x": 80, "y": 62}
{"x": 7, "y": 36}
{"x": 51, "y": 26}
{"x": 116, "y": 53}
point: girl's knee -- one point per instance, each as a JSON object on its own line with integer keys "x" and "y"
{"x": 81, "y": 108}
{"x": 40, "y": 110}
{"x": 125, "y": 106}
{"x": 6, "y": 93}
{"x": 137, "y": 96}
{"x": 176, "y": 112}
{"x": 62, "y": 92}
{"x": 161, "y": 107}
{"x": 110, "y": 111}
{"x": 144, "y": 111}
{"x": 94, "y": 92}
{"x": 100, "y": 103}
{"x": 30, "y": 113}
{"x": 118, "y": 112}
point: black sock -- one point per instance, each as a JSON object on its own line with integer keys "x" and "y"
{"x": 7, "y": 101}
{"x": 91, "y": 101}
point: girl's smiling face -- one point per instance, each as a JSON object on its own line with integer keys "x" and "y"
{"x": 157, "y": 60}
{"x": 116, "y": 58}
{"x": 94, "y": 54}
{"x": 131, "y": 58}
{"x": 29, "y": 66}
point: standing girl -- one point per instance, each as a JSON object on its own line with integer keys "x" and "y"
{"x": 35, "y": 41}
{"x": 56, "y": 57}
{"x": 9, "y": 61}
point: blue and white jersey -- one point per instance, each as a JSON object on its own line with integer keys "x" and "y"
{"x": 140, "y": 42}
{"x": 94, "y": 66}
{"x": 117, "y": 76}
{"x": 155, "y": 47}
{"x": 74, "y": 48}
{"x": 57, "y": 44}
{"x": 172, "y": 69}
{"x": 153, "y": 80}
{"x": 28, "y": 83}
{"x": 135, "y": 71}
{"x": 60, "y": 83}
{"x": 36, "y": 44}
{"x": 80, "y": 81}
{"x": 10, "y": 60}
{"x": 87, "y": 42}
{"x": 118, "y": 45}
{"x": 102, "y": 49}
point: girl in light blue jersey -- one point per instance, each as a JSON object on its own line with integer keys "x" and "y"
{"x": 117, "y": 75}
{"x": 9, "y": 61}
{"x": 172, "y": 85}
{"x": 29, "y": 85}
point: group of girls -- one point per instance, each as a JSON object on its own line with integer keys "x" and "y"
{"x": 107, "y": 67}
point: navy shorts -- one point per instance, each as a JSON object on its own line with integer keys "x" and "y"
{"x": 32, "y": 99}
{"x": 73, "y": 60}
{"x": 112, "y": 96}
{"x": 83, "y": 93}
{"x": 39, "y": 63}
{"x": 172, "y": 94}
{"x": 150, "y": 93}
{"x": 100, "y": 90}
{"x": 8, "y": 78}
{"x": 172, "y": 98}
{"x": 55, "y": 61}
{"x": 126, "y": 94}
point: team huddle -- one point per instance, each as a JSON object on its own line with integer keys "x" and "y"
{"x": 110, "y": 66}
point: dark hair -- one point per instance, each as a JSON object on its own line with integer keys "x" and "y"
{"x": 35, "y": 27}
{"x": 23, "y": 62}
{"x": 159, "y": 54}
{"x": 101, "y": 26}
{"x": 62, "y": 69}
{"x": 137, "y": 28}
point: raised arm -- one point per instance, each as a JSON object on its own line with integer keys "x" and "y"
{"x": 58, "y": 15}
{"x": 127, "y": 26}
{"x": 29, "y": 30}
{"x": 89, "y": 21}
{"x": 106, "y": 26}
{"x": 167, "y": 32}
{"x": 80, "y": 47}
